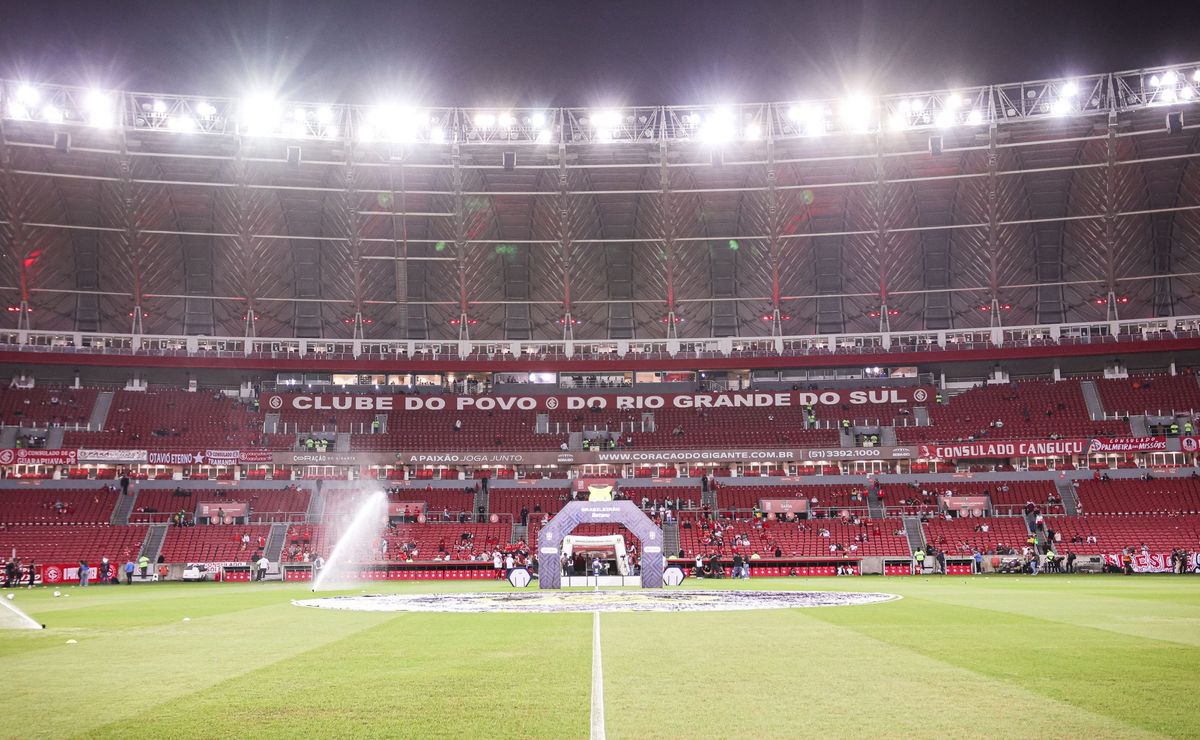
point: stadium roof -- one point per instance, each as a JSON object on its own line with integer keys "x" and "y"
{"x": 1059, "y": 200}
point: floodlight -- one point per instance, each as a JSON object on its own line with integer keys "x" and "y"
{"x": 720, "y": 126}
{"x": 17, "y": 110}
{"x": 1154, "y": 81}
{"x": 1196, "y": 75}
{"x": 330, "y": 132}
{"x": 814, "y": 121}
{"x": 545, "y": 135}
{"x": 538, "y": 119}
{"x": 52, "y": 114}
{"x": 206, "y": 109}
{"x": 917, "y": 105}
{"x": 260, "y": 116}
{"x": 1170, "y": 77}
{"x": 325, "y": 115}
{"x": 898, "y": 121}
{"x": 299, "y": 114}
{"x": 485, "y": 120}
{"x": 753, "y": 132}
{"x": 181, "y": 124}
{"x": 1070, "y": 89}
{"x": 28, "y": 95}
{"x": 856, "y": 111}
{"x": 505, "y": 120}
{"x": 944, "y": 119}
{"x": 975, "y": 117}
{"x": 796, "y": 112}
{"x": 1168, "y": 94}
{"x": 1061, "y": 107}
{"x": 159, "y": 107}
{"x": 437, "y": 135}
{"x": 954, "y": 100}
{"x": 1186, "y": 93}
{"x": 609, "y": 119}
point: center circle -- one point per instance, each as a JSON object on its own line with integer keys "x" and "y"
{"x": 595, "y": 601}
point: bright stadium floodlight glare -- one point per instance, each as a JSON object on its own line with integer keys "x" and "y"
{"x": 753, "y": 132}
{"x": 504, "y": 120}
{"x": 1070, "y": 89}
{"x": 205, "y": 109}
{"x": 606, "y": 119}
{"x": 944, "y": 118}
{"x": 159, "y": 107}
{"x": 856, "y": 112}
{"x": 814, "y": 121}
{"x": 1170, "y": 77}
{"x": 485, "y": 120}
{"x": 1186, "y": 93}
{"x": 1168, "y": 95}
{"x": 1196, "y": 76}
{"x": 898, "y": 121}
{"x": 260, "y": 115}
{"x": 916, "y": 105}
{"x": 1154, "y": 81}
{"x": 538, "y": 119}
{"x": 975, "y": 117}
{"x": 795, "y": 113}
{"x": 720, "y": 126}
{"x": 437, "y": 135}
{"x": 28, "y": 95}
{"x": 325, "y": 115}
{"x": 954, "y": 101}
{"x": 181, "y": 124}
{"x": 544, "y": 136}
{"x": 1061, "y": 107}
{"x": 52, "y": 114}
{"x": 17, "y": 110}
{"x": 329, "y": 132}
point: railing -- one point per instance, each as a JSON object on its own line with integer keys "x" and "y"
{"x": 1049, "y": 335}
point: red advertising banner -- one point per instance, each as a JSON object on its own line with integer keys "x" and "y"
{"x": 640, "y": 402}
{"x": 1127, "y": 444}
{"x": 254, "y": 456}
{"x": 400, "y": 508}
{"x": 1150, "y": 563}
{"x": 38, "y": 457}
{"x": 210, "y": 457}
{"x": 965, "y": 503}
{"x": 783, "y": 505}
{"x": 1012, "y": 448}
{"x": 69, "y": 572}
{"x": 213, "y": 509}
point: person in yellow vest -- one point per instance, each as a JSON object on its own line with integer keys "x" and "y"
{"x": 919, "y": 561}
{"x": 143, "y": 565}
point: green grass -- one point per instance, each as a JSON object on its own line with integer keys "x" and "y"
{"x": 1068, "y": 656}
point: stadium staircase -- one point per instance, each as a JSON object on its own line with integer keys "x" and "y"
{"x": 343, "y": 442}
{"x": 921, "y": 416}
{"x": 1138, "y": 426}
{"x": 875, "y": 508}
{"x": 483, "y": 498}
{"x": 670, "y": 538}
{"x": 54, "y": 438}
{"x": 1066, "y": 493}
{"x": 152, "y": 545}
{"x": 275, "y": 540}
{"x": 316, "y": 507}
{"x": 709, "y": 499}
{"x": 913, "y": 533}
{"x": 1091, "y": 396}
{"x": 846, "y": 437}
{"x": 99, "y": 417}
{"x": 519, "y": 532}
{"x": 124, "y": 508}
{"x": 383, "y": 423}
{"x": 271, "y": 424}
{"x": 887, "y": 436}
{"x": 8, "y": 437}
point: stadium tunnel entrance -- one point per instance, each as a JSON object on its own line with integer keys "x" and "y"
{"x": 624, "y": 513}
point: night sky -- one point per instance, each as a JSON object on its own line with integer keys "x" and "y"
{"x": 529, "y": 53}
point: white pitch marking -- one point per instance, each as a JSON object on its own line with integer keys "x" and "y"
{"x": 597, "y": 681}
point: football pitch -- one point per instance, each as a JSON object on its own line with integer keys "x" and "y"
{"x": 1062, "y": 656}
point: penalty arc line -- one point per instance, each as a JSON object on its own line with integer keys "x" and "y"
{"x": 597, "y": 681}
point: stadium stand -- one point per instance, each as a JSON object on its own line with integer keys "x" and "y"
{"x": 1153, "y": 393}
{"x": 212, "y": 544}
{"x": 174, "y": 420}
{"x": 45, "y": 407}
{"x": 1095, "y": 535}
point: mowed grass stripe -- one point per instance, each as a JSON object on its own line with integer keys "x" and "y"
{"x": 417, "y": 675}
{"x": 116, "y": 671}
{"x": 786, "y": 674}
{"x": 1129, "y": 679}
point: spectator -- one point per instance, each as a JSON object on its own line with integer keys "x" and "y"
{"x": 129, "y": 566}
{"x": 83, "y": 573}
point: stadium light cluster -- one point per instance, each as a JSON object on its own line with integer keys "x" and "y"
{"x": 262, "y": 115}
